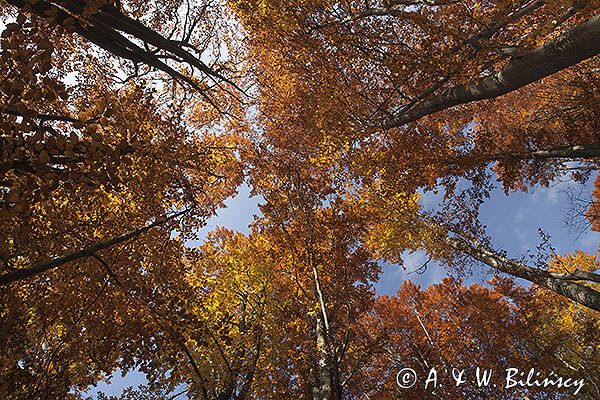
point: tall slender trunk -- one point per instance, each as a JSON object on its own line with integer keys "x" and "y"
{"x": 568, "y": 152}
{"x": 570, "y": 48}
{"x": 249, "y": 376}
{"x": 327, "y": 383}
{"x": 324, "y": 381}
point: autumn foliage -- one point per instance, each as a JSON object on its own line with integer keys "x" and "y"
{"x": 126, "y": 125}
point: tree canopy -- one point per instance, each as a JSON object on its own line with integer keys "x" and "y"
{"x": 125, "y": 125}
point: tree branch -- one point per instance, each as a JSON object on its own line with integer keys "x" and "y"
{"x": 558, "y": 283}
{"x": 23, "y": 273}
{"x": 570, "y": 48}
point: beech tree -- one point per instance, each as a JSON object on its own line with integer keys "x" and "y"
{"x": 450, "y": 325}
{"x": 99, "y": 168}
{"x": 405, "y": 96}
{"x": 125, "y": 125}
{"x": 328, "y": 274}
{"x": 81, "y": 140}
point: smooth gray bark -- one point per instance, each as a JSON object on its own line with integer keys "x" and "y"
{"x": 561, "y": 283}
{"x": 577, "y": 152}
{"x": 324, "y": 388}
{"x": 570, "y": 48}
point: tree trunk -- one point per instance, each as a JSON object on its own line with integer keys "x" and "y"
{"x": 570, "y": 48}
{"x": 105, "y": 29}
{"x": 324, "y": 382}
{"x": 327, "y": 383}
{"x": 576, "y": 152}
{"x": 563, "y": 284}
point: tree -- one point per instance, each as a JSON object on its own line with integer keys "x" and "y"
{"x": 327, "y": 271}
{"x": 92, "y": 141}
{"x": 415, "y": 68}
{"x": 98, "y": 171}
{"x": 118, "y": 29}
{"x": 450, "y": 325}
{"x": 594, "y": 211}
{"x": 223, "y": 315}
{"x": 397, "y": 225}
{"x": 124, "y": 125}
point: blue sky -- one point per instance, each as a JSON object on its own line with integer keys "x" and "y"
{"x": 512, "y": 221}
{"x": 238, "y": 214}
